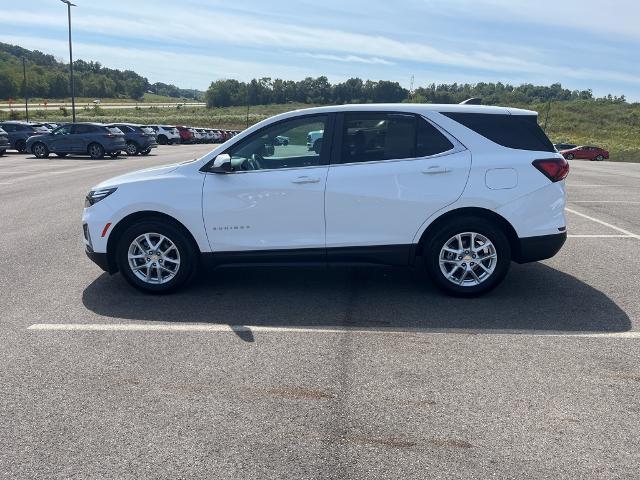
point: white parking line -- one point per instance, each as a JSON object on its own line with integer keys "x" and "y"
{"x": 599, "y": 236}
{"x": 601, "y": 222}
{"x": 604, "y": 201}
{"x": 218, "y": 328}
{"x": 595, "y": 185}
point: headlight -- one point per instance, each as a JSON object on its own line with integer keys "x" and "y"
{"x": 94, "y": 196}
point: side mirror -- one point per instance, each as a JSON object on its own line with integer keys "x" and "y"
{"x": 222, "y": 164}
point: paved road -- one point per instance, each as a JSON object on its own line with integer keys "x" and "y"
{"x": 315, "y": 374}
{"x": 4, "y": 107}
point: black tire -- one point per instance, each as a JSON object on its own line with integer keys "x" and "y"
{"x": 317, "y": 146}
{"x": 21, "y": 146}
{"x": 62, "y": 155}
{"x": 132, "y": 149}
{"x": 40, "y": 150}
{"x": 599, "y": 158}
{"x": 570, "y": 156}
{"x": 114, "y": 154}
{"x": 188, "y": 255}
{"x": 2, "y": 152}
{"x": 145, "y": 152}
{"x": 162, "y": 140}
{"x": 285, "y": 143}
{"x": 95, "y": 151}
{"x": 484, "y": 227}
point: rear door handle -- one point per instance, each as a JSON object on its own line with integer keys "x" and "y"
{"x": 436, "y": 169}
{"x": 305, "y": 179}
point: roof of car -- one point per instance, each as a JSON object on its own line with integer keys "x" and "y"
{"x": 418, "y": 107}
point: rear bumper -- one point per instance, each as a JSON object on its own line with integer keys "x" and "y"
{"x": 532, "y": 249}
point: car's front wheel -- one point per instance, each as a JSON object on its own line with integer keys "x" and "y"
{"x": 467, "y": 257}
{"x": 21, "y": 146}
{"x": 570, "y": 156}
{"x": 156, "y": 256}
{"x": 40, "y": 150}
{"x": 599, "y": 158}
{"x": 146, "y": 151}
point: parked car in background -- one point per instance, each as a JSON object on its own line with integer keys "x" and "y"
{"x": 4, "y": 142}
{"x": 314, "y": 140}
{"x": 280, "y": 140}
{"x": 211, "y": 136}
{"x": 138, "y": 139}
{"x": 198, "y": 135}
{"x": 20, "y": 132}
{"x": 585, "y": 153}
{"x": 93, "y": 139}
{"x": 166, "y": 134}
{"x": 186, "y": 135}
{"x": 396, "y": 185}
{"x": 564, "y": 146}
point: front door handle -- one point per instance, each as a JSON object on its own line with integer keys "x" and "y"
{"x": 305, "y": 179}
{"x": 436, "y": 169}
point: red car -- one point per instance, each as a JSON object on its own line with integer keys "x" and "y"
{"x": 586, "y": 153}
{"x": 186, "y": 135}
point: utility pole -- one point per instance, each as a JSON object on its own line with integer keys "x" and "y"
{"x": 71, "y": 82}
{"x": 24, "y": 85}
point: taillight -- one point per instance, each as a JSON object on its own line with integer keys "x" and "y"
{"x": 555, "y": 169}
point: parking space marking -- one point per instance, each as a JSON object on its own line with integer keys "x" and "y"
{"x": 605, "y": 201}
{"x": 600, "y": 236}
{"x": 219, "y": 328}
{"x": 593, "y": 185}
{"x": 601, "y": 222}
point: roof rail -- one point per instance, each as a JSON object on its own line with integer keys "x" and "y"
{"x": 472, "y": 101}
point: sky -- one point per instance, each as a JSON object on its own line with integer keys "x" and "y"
{"x": 581, "y": 44}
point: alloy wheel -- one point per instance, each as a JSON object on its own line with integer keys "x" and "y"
{"x": 153, "y": 258}
{"x": 468, "y": 259}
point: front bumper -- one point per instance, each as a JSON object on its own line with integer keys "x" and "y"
{"x": 532, "y": 249}
{"x": 99, "y": 259}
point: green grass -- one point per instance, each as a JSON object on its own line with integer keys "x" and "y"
{"x": 615, "y": 127}
{"x": 81, "y": 101}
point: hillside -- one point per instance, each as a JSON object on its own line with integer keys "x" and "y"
{"x": 48, "y": 78}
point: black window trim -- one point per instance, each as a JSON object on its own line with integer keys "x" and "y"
{"x": 336, "y": 157}
{"x": 324, "y": 156}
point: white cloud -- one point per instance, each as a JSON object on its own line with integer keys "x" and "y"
{"x": 348, "y": 58}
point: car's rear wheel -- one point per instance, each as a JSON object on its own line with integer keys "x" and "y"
{"x": 599, "y": 158}
{"x": 467, "y": 256}
{"x": 2, "y": 152}
{"x": 156, "y": 256}
{"x": 162, "y": 139}
{"x": 132, "y": 148}
{"x": 96, "y": 151}
{"x": 317, "y": 146}
{"x": 40, "y": 150}
{"x": 21, "y": 146}
{"x": 145, "y": 152}
{"x": 570, "y": 156}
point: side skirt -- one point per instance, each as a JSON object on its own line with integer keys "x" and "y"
{"x": 394, "y": 255}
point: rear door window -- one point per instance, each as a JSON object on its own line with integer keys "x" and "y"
{"x": 369, "y": 137}
{"x": 81, "y": 129}
{"x": 521, "y": 132}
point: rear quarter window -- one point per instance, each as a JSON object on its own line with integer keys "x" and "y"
{"x": 521, "y": 132}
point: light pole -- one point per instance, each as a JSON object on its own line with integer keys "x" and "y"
{"x": 71, "y": 82}
{"x": 24, "y": 83}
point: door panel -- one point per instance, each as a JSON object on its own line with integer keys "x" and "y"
{"x": 385, "y": 203}
{"x": 263, "y": 210}
{"x": 274, "y": 197}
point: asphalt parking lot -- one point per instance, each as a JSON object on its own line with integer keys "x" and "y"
{"x": 305, "y": 373}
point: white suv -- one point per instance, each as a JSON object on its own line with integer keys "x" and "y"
{"x": 165, "y": 134}
{"x": 458, "y": 191}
